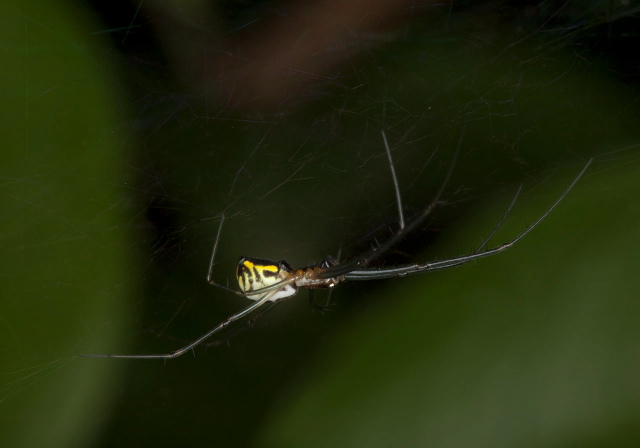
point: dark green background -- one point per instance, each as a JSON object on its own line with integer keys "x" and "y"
{"x": 111, "y": 191}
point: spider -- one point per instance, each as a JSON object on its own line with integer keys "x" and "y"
{"x": 263, "y": 280}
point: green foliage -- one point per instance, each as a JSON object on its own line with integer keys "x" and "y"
{"x": 537, "y": 347}
{"x": 62, "y": 261}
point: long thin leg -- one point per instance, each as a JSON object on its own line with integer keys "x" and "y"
{"x": 215, "y": 249}
{"x": 250, "y": 323}
{"x": 396, "y": 187}
{"x": 327, "y": 302}
{"x": 504, "y": 216}
{"x": 198, "y": 341}
{"x": 365, "y": 259}
{"x": 212, "y": 261}
{"x": 371, "y": 274}
{"x": 486, "y": 241}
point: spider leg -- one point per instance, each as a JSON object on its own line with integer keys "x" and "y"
{"x": 210, "y": 279}
{"x": 396, "y": 187}
{"x": 312, "y": 302}
{"x": 504, "y": 216}
{"x": 400, "y": 271}
{"x": 201, "y": 339}
{"x": 325, "y": 305}
{"x": 364, "y": 260}
{"x": 493, "y": 232}
{"x": 250, "y": 323}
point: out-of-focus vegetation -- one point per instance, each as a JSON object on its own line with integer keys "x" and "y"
{"x": 129, "y": 131}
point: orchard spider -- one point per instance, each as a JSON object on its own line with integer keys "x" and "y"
{"x": 263, "y": 280}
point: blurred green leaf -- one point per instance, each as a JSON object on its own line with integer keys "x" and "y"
{"x": 538, "y": 346}
{"x": 62, "y": 262}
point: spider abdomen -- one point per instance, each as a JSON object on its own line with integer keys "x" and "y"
{"x": 258, "y": 273}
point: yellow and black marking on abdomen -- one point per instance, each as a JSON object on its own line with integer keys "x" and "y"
{"x": 257, "y": 273}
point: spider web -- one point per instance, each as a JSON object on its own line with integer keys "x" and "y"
{"x": 134, "y": 128}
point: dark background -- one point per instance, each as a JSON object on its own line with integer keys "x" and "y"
{"x": 130, "y": 128}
